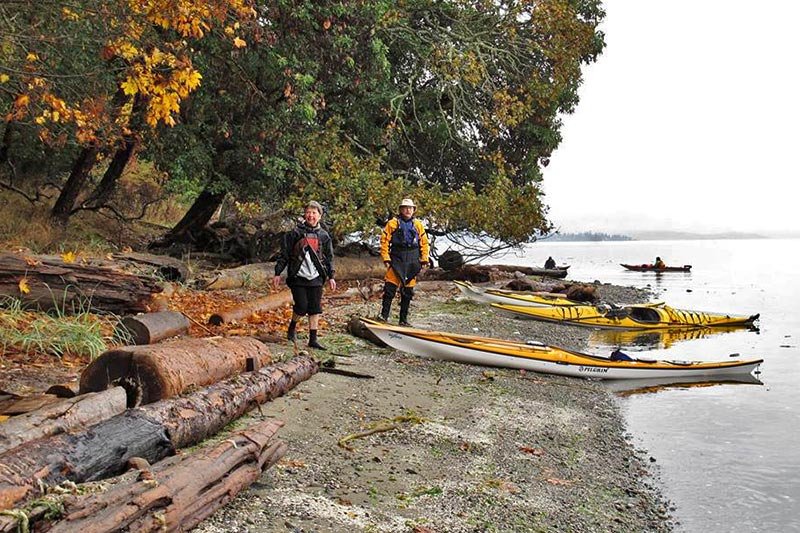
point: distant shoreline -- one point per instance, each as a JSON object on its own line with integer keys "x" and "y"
{"x": 660, "y": 236}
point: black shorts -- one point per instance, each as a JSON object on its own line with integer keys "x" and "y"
{"x": 307, "y": 300}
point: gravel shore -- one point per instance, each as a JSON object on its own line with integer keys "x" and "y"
{"x": 430, "y": 446}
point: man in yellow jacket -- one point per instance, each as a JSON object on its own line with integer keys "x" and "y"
{"x": 404, "y": 250}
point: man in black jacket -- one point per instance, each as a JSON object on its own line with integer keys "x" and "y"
{"x": 307, "y": 251}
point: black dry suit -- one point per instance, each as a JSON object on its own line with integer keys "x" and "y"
{"x": 296, "y": 243}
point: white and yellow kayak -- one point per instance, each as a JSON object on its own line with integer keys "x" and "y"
{"x": 528, "y": 299}
{"x": 647, "y": 316}
{"x": 542, "y": 358}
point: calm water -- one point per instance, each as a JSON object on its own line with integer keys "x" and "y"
{"x": 729, "y": 454}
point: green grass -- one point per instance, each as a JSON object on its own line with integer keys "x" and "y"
{"x": 58, "y": 334}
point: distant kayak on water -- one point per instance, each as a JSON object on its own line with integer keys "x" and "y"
{"x": 653, "y": 268}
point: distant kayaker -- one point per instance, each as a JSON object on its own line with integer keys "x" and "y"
{"x": 307, "y": 251}
{"x": 550, "y": 263}
{"x": 659, "y": 263}
{"x": 404, "y": 250}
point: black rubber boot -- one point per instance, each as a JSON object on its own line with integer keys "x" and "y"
{"x": 312, "y": 340}
{"x": 406, "y": 294}
{"x": 389, "y": 290}
{"x": 291, "y": 333}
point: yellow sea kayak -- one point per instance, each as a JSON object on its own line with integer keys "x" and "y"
{"x": 640, "y": 317}
{"x": 542, "y": 358}
{"x": 535, "y": 299}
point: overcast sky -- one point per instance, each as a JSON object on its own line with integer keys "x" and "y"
{"x": 688, "y": 121}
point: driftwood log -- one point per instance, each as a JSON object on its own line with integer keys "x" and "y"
{"x": 65, "y": 415}
{"x": 243, "y": 276}
{"x": 485, "y": 273}
{"x": 149, "y": 328}
{"x": 151, "y": 432}
{"x": 157, "y": 371}
{"x": 347, "y": 268}
{"x": 163, "y": 266}
{"x": 74, "y": 287}
{"x": 19, "y": 405}
{"x": 259, "y": 305}
{"x": 356, "y": 327}
{"x": 177, "y": 497}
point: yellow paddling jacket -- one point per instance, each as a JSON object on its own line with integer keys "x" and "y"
{"x": 405, "y": 245}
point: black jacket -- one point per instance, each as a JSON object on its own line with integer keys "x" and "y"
{"x": 293, "y": 252}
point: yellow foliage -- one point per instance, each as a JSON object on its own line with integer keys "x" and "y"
{"x": 4, "y": 78}
{"x": 23, "y": 286}
{"x": 239, "y": 43}
{"x": 69, "y": 257}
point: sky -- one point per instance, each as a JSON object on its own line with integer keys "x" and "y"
{"x": 688, "y": 121}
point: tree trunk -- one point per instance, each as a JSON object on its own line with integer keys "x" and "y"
{"x": 5, "y": 144}
{"x": 177, "y": 495}
{"x": 66, "y": 415}
{"x": 196, "y": 218}
{"x": 52, "y": 283}
{"x": 150, "y": 328}
{"x": 151, "y": 432}
{"x": 72, "y": 188}
{"x": 154, "y": 372}
{"x": 266, "y": 303}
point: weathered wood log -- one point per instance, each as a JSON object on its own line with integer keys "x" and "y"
{"x": 65, "y": 415}
{"x": 179, "y": 496}
{"x": 356, "y": 327}
{"x": 157, "y": 371}
{"x": 167, "y": 267}
{"x": 26, "y": 404}
{"x": 357, "y": 268}
{"x": 347, "y": 268}
{"x": 243, "y": 276}
{"x": 365, "y": 291}
{"x": 149, "y": 328}
{"x": 69, "y": 287}
{"x": 259, "y": 305}
{"x": 151, "y": 432}
{"x": 484, "y": 273}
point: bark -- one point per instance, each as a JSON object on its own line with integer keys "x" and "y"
{"x": 75, "y": 183}
{"x": 151, "y": 432}
{"x": 65, "y": 415}
{"x": 79, "y": 286}
{"x": 177, "y": 497}
{"x": 154, "y": 372}
{"x": 150, "y": 328}
{"x": 260, "y": 305}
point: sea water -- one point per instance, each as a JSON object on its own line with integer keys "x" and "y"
{"x": 727, "y": 455}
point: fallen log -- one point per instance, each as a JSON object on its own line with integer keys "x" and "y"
{"x": 50, "y": 283}
{"x": 484, "y": 273}
{"x": 365, "y": 291}
{"x": 243, "y": 276}
{"x": 25, "y": 404}
{"x": 164, "y": 266}
{"x": 149, "y": 328}
{"x": 66, "y": 415}
{"x": 259, "y": 305}
{"x": 151, "y": 432}
{"x": 157, "y": 371}
{"x": 357, "y": 328}
{"x": 357, "y": 268}
{"x": 178, "y": 496}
